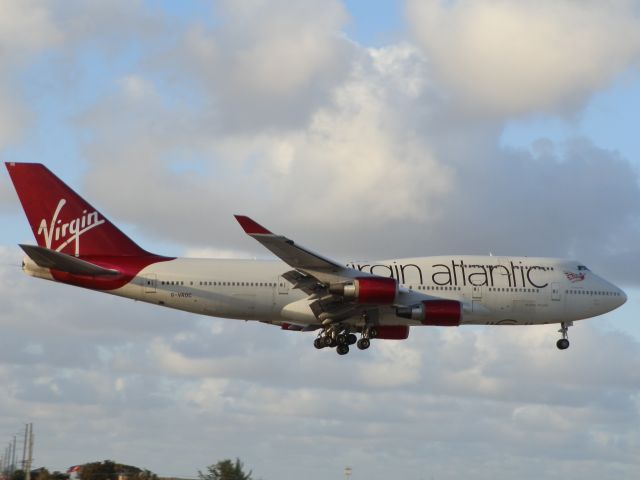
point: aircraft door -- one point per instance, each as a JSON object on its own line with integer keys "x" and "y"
{"x": 555, "y": 291}
{"x": 149, "y": 283}
{"x": 477, "y": 292}
{"x": 282, "y": 286}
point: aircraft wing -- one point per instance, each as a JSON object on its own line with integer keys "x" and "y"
{"x": 336, "y": 292}
{"x": 286, "y": 249}
{"x": 298, "y": 257}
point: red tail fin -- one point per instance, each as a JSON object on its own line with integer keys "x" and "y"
{"x": 61, "y": 220}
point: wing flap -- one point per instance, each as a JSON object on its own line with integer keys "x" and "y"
{"x": 47, "y": 258}
{"x": 307, "y": 283}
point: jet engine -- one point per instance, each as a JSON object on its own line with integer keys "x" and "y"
{"x": 368, "y": 290}
{"x": 439, "y": 313}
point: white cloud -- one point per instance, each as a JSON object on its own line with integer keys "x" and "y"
{"x": 269, "y": 64}
{"x": 208, "y": 394}
{"x": 397, "y": 365}
{"x": 137, "y": 87}
{"x": 13, "y": 118}
{"x": 507, "y": 57}
{"x": 26, "y": 26}
{"x": 26, "y": 29}
{"x": 279, "y": 50}
{"x": 356, "y": 159}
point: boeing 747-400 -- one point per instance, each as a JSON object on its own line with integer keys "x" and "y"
{"x": 345, "y": 303}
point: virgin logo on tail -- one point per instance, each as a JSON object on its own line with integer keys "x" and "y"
{"x": 67, "y": 232}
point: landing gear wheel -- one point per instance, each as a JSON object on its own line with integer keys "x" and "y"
{"x": 342, "y": 339}
{"x": 351, "y": 339}
{"x": 363, "y": 343}
{"x": 373, "y": 333}
{"x": 327, "y": 341}
{"x": 563, "y": 343}
{"x": 318, "y": 343}
{"x": 342, "y": 349}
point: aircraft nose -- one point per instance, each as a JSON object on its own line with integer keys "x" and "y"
{"x": 622, "y": 297}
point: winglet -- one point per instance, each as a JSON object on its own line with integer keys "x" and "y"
{"x": 251, "y": 227}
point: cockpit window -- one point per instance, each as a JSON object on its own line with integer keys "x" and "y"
{"x": 582, "y": 268}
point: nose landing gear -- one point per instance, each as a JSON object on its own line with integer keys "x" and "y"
{"x": 563, "y": 343}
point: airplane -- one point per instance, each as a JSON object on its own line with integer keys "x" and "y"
{"x": 345, "y": 303}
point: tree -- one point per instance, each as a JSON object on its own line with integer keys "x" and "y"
{"x": 41, "y": 474}
{"x": 59, "y": 476}
{"x": 99, "y": 471}
{"x": 145, "y": 475}
{"x": 225, "y": 470}
{"x": 18, "y": 475}
{"x": 110, "y": 470}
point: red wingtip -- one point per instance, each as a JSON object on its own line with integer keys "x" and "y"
{"x": 251, "y": 227}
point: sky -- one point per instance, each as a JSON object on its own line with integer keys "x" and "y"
{"x": 362, "y": 130}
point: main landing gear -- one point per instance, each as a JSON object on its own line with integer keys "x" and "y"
{"x": 563, "y": 343}
{"x": 340, "y": 338}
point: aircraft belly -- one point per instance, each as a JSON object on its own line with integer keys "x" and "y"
{"x": 246, "y": 305}
{"x": 256, "y": 305}
{"x": 498, "y": 309}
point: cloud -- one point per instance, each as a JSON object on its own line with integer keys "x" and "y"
{"x": 136, "y": 87}
{"x": 13, "y": 119}
{"x": 502, "y": 57}
{"x": 354, "y": 148}
{"x": 106, "y": 27}
{"x": 269, "y": 64}
{"x": 26, "y": 29}
{"x": 357, "y": 158}
{"x": 585, "y": 198}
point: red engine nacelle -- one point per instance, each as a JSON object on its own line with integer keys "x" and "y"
{"x": 392, "y": 332}
{"x": 368, "y": 290}
{"x": 439, "y": 313}
{"x": 290, "y": 326}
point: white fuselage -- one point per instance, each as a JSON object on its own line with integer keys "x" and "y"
{"x": 492, "y": 290}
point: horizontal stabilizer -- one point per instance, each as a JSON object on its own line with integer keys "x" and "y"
{"x": 47, "y": 258}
